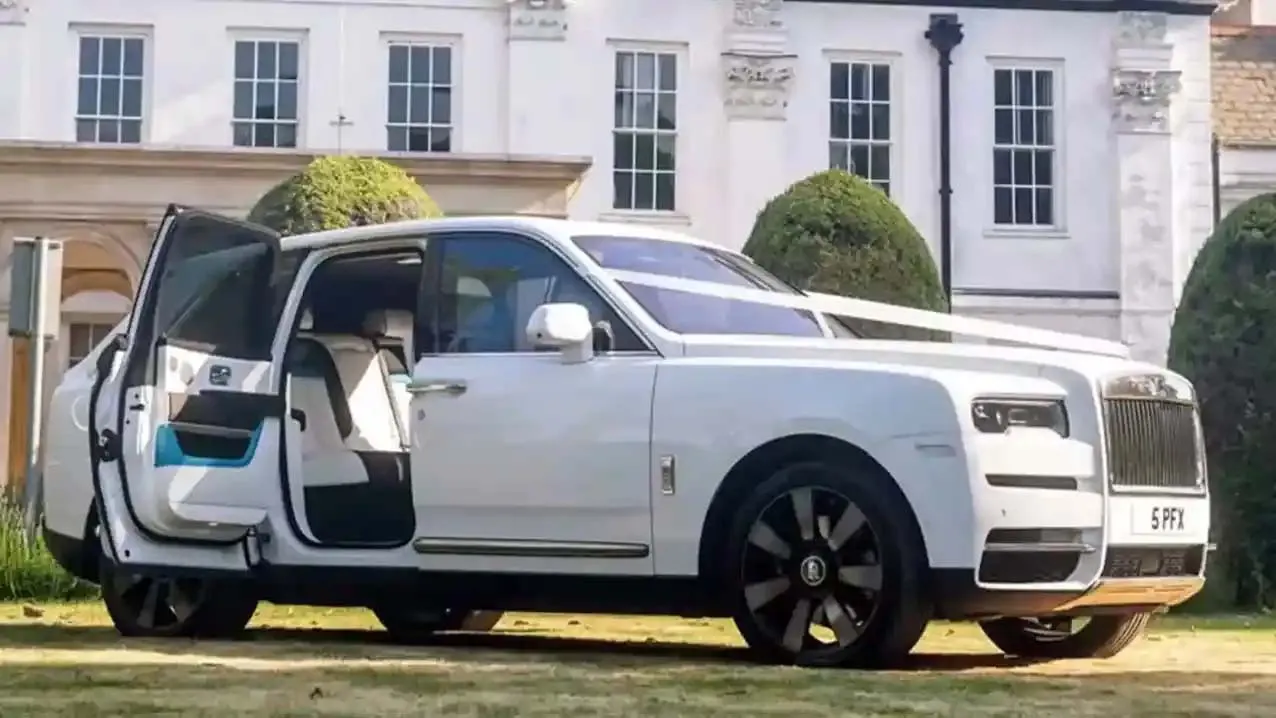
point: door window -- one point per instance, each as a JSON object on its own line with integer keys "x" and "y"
{"x": 488, "y": 286}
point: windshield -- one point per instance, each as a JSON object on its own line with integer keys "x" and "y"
{"x": 689, "y": 313}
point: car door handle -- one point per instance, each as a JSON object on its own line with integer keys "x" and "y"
{"x": 437, "y": 386}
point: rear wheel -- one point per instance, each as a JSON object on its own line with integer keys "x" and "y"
{"x": 1059, "y": 638}
{"x": 154, "y": 607}
{"x": 416, "y": 625}
{"x": 825, "y": 569}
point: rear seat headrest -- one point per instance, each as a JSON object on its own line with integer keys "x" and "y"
{"x": 387, "y": 322}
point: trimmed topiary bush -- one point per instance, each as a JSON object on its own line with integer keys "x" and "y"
{"x": 340, "y": 191}
{"x": 1224, "y": 341}
{"x": 834, "y": 232}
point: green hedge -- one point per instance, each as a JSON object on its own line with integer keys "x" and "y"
{"x": 1224, "y": 341}
{"x": 28, "y": 572}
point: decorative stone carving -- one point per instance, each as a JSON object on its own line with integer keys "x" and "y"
{"x": 1142, "y": 99}
{"x": 537, "y": 19}
{"x": 757, "y": 86}
{"x": 757, "y": 14}
{"x": 1141, "y": 29}
{"x": 13, "y": 12}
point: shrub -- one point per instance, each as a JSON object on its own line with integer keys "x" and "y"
{"x": 834, "y": 232}
{"x": 1224, "y": 341}
{"x": 341, "y": 191}
{"x": 27, "y": 571}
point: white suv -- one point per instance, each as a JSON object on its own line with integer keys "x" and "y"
{"x": 606, "y": 418}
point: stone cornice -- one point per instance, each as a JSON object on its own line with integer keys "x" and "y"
{"x": 59, "y": 157}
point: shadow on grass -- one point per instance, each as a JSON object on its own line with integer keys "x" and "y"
{"x": 501, "y": 646}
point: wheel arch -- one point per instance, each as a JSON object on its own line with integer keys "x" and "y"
{"x": 766, "y": 459}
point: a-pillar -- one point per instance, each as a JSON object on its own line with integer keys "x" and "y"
{"x": 758, "y": 75}
{"x": 1144, "y": 86}
{"x": 537, "y": 43}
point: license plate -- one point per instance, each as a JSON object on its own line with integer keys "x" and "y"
{"x": 1161, "y": 519}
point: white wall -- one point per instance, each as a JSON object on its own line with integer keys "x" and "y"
{"x": 554, "y": 98}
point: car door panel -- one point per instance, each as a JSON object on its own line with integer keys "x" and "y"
{"x": 535, "y": 458}
{"x": 197, "y": 421}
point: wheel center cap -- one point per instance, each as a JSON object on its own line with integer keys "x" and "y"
{"x": 813, "y": 570}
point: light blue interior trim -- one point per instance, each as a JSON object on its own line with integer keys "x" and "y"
{"x": 169, "y": 453}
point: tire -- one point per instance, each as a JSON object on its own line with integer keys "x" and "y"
{"x": 147, "y": 607}
{"x": 407, "y": 625}
{"x": 1102, "y": 637}
{"x": 852, "y": 566}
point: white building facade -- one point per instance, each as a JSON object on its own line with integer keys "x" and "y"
{"x": 1079, "y": 140}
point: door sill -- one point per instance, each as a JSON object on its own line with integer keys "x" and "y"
{"x": 529, "y": 548}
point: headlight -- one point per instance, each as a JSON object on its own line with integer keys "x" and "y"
{"x": 996, "y": 416}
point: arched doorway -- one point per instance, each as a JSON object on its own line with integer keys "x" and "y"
{"x": 97, "y": 288}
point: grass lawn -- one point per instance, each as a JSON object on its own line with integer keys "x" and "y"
{"x": 67, "y": 662}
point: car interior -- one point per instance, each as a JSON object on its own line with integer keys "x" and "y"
{"x": 348, "y": 438}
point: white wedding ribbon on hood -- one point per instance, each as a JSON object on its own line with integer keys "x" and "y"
{"x": 884, "y": 313}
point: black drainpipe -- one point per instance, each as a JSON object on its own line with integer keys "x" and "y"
{"x": 1216, "y": 184}
{"x": 945, "y": 35}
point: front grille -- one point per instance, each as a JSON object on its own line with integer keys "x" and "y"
{"x": 1151, "y": 444}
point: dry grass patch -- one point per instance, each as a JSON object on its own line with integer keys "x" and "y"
{"x": 313, "y": 662}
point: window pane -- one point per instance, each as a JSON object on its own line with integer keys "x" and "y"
{"x": 879, "y": 161}
{"x": 1023, "y": 205}
{"x": 288, "y": 61}
{"x": 1044, "y": 166}
{"x": 398, "y": 63}
{"x": 859, "y": 159}
{"x": 880, "y": 120}
{"x": 839, "y": 156}
{"x": 86, "y": 131}
{"x": 668, "y": 70}
{"x": 264, "y": 134}
{"x": 244, "y": 61}
{"x": 265, "y": 101}
{"x": 665, "y": 154}
{"x": 1045, "y": 206}
{"x": 839, "y": 81}
{"x": 624, "y": 70}
{"x": 242, "y": 134}
{"x": 624, "y": 109}
{"x": 882, "y": 83}
{"x": 419, "y": 65}
{"x": 644, "y": 190}
{"x": 645, "y": 107}
{"x": 1045, "y": 88}
{"x": 418, "y": 105}
{"x": 132, "y": 98}
{"x": 266, "y": 56}
{"x": 90, "y": 47}
{"x": 1026, "y": 133}
{"x": 622, "y": 190}
{"x": 133, "y": 57}
{"x": 1045, "y": 127}
{"x": 418, "y": 139}
{"x": 859, "y": 81}
{"x": 622, "y": 150}
{"x": 110, "y": 103}
{"x": 1004, "y": 127}
{"x": 1023, "y": 88}
{"x": 644, "y": 151}
{"x": 288, "y": 100}
{"x": 441, "y": 106}
{"x": 667, "y": 111}
{"x": 1001, "y": 173}
{"x": 397, "y": 104}
{"x": 646, "y": 71}
{"x": 859, "y": 121}
{"x": 665, "y": 191}
{"x": 1003, "y": 92}
{"x": 243, "y": 99}
{"x": 86, "y": 103}
{"x": 112, "y": 56}
{"x": 396, "y": 139}
{"x": 1002, "y": 211}
{"x": 131, "y": 131}
{"x": 441, "y": 139}
{"x": 839, "y": 120}
{"x": 286, "y": 135}
{"x": 441, "y": 66}
{"x": 108, "y": 131}
{"x": 1022, "y": 170}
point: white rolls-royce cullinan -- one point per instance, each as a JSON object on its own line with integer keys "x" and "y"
{"x": 445, "y": 419}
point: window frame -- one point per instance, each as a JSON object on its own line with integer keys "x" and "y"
{"x": 434, "y": 260}
{"x": 278, "y": 37}
{"x": 893, "y": 103}
{"x": 635, "y": 131}
{"x": 1058, "y": 225}
{"x": 144, "y": 33}
{"x": 91, "y": 324}
{"x": 453, "y": 45}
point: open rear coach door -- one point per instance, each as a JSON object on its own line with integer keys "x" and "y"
{"x": 188, "y": 416}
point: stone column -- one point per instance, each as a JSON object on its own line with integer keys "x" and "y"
{"x": 1143, "y": 87}
{"x": 757, "y": 75}
{"x": 537, "y": 41}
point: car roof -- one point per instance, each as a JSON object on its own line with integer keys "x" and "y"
{"x": 559, "y": 230}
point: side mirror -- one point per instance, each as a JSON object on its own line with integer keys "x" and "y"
{"x": 565, "y": 327}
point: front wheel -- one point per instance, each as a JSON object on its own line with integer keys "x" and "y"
{"x": 152, "y": 607}
{"x": 1060, "y": 638}
{"x": 825, "y": 568}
